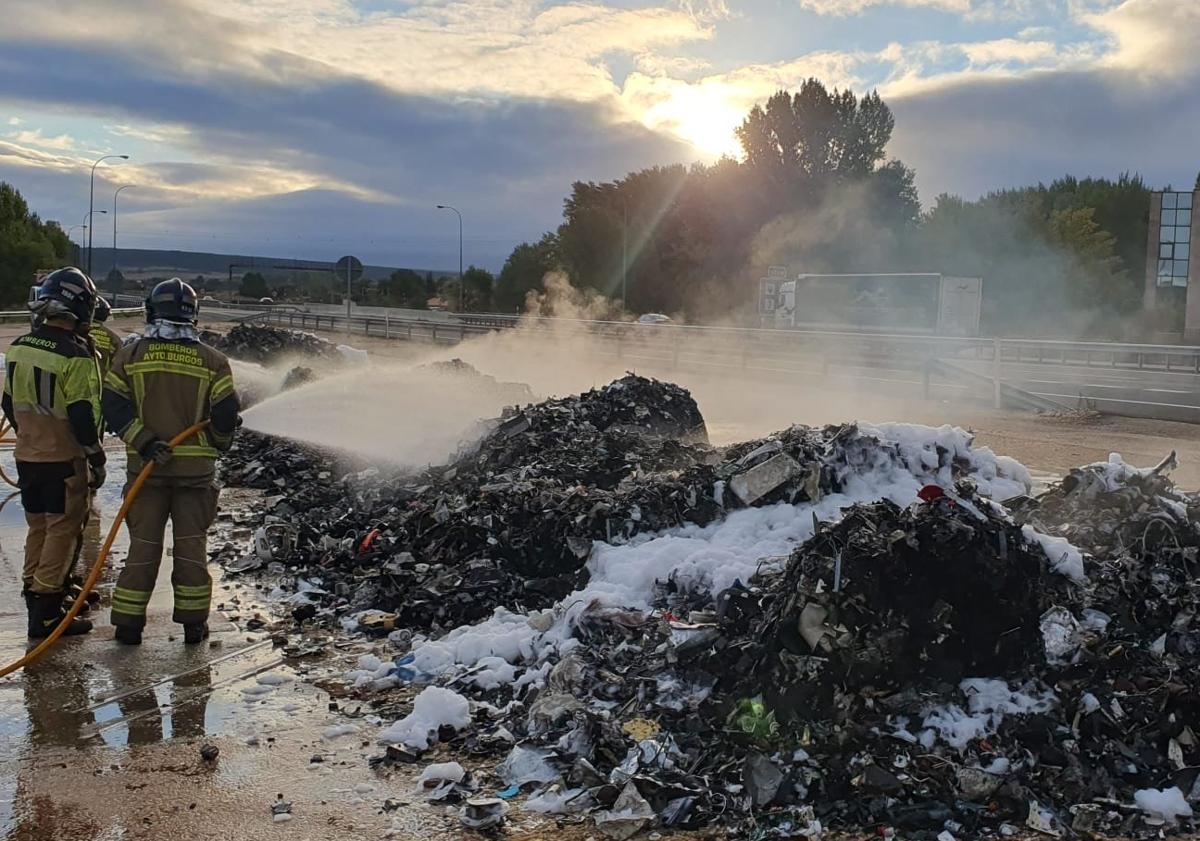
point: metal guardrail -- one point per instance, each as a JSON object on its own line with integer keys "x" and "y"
{"x": 1112, "y": 355}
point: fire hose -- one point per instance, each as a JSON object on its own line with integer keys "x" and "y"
{"x": 101, "y": 557}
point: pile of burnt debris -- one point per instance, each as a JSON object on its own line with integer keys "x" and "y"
{"x": 464, "y": 372}
{"x": 928, "y": 661}
{"x": 266, "y": 345}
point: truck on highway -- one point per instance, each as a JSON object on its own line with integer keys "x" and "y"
{"x": 916, "y": 303}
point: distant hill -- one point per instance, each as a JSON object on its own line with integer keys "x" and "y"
{"x": 191, "y": 263}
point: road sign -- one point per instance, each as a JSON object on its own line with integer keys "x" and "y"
{"x": 348, "y": 267}
{"x": 777, "y": 272}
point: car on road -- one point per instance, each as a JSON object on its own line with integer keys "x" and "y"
{"x": 654, "y": 318}
{"x": 266, "y": 300}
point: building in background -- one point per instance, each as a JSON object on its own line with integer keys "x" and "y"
{"x": 1172, "y": 275}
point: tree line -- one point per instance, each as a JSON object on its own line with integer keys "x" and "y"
{"x": 816, "y": 192}
{"x": 27, "y": 244}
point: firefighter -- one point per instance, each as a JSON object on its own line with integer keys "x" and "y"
{"x": 104, "y": 341}
{"x": 158, "y": 386}
{"x": 52, "y": 401}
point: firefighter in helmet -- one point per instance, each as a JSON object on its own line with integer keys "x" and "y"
{"x": 52, "y": 401}
{"x": 157, "y": 387}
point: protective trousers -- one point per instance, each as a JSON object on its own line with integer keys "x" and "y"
{"x": 191, "y": 506}
{"x": 55, "y": 498}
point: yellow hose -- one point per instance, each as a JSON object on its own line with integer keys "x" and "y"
{"x": 101, "y": 557}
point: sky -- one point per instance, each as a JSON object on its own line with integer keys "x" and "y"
{"x": 315, "y": 128}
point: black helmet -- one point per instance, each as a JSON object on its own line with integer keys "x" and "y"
{"x": 103, "y": 310}
{"x": 66, "y": 292}
{"x": 172, "y": 300}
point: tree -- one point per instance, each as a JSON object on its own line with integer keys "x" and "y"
{"x": 254, "y": 285}
{"x": 524, "y": 271}
{"x": 479, "y": 285}
{"x": 406, "y": 288}
{"x": 817, "y": 132}
{"x": 26, "y": 245}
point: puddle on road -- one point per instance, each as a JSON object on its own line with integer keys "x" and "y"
{"x": 90, "y": 702}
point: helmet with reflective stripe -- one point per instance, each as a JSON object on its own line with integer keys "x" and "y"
{"x": 174, "y": 301}
{"x": 72, "y": 291}
{"x": 103, "y": 310}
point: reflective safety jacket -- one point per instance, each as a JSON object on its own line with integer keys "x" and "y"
{"x": 52, "y": 396}
{"x": 157, "y": 388}
{"x": 106, "y": 343}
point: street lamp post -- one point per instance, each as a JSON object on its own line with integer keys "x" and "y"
{"x": 87, "y": 219}
{"x": 462, "y": 286}
{"x": 72, "y": 228}
{"x": 117, "y": 193}
{"x": 91, "y": 203}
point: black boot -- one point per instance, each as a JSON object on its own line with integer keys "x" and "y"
{"x": 128, "y": 636}
{"x": 46, "y": 611}
{"x": 193, "y": 634}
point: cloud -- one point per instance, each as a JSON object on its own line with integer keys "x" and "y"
{"x": 978, "y": 134}
{"x": 1151, "y": 37}
{"x": 976, "y": 10}
{"x": 490, "y": 48}
{"x": 15, "y": 121}
{"x": 37, "y": 139}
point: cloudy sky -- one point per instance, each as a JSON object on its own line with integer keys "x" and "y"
{"x": 315, "y": 128}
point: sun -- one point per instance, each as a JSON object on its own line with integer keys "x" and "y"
{"x": 705, "y": 116}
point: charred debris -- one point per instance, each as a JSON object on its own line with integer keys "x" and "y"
{"x": 938, "y": 665}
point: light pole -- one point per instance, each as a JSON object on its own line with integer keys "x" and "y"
{"x": 72, "y": 228}
{"x": 91, "y": 203}
{"x": 87, "y": 220}
{"x": 117, "y": 193}
{"x": 462, "y": 286}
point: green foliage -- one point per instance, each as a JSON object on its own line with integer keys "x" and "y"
{"x": 254, "y": 285}
{"x": 479, "y": 285}
{"x": 26, "y": 245}
{"x": 524, "y": 271}
{"x": 405, "y": 288}
{"x": 816, "y": 133}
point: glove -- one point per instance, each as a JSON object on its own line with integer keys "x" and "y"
{"x": 96, "y": 472}
{"x": 157, "y": 451}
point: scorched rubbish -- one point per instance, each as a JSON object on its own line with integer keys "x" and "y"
{"x": 858, "y": 628}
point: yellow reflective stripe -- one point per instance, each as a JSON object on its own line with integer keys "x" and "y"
{"x": 117, "y": 384}
{"x": 192, "y": 589}
{"x": 130, "y": 433}
{"x": 222, "y": 388}
{"x": 128, "y": 609}
{"x": 130, "y": 602}
{"x": 195, "y": 451}
{"x": 169, "y": 368}
{"x": 139, "y": 392}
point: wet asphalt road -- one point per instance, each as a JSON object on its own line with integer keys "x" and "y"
{"x": 100, "y": 741}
